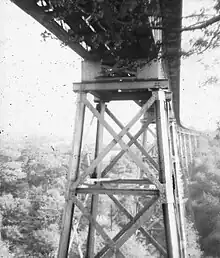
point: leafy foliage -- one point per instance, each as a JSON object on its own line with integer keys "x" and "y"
{"x": 132, "y": 15}
{"x": 193, "y": 247}
{"x": 205, "y": 194}
{"x": 31, "y": 200}
{"x": 32, "y": 187}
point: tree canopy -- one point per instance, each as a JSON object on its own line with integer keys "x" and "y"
{"x": 204, "y": 26}
{"x": 204, "y": 19}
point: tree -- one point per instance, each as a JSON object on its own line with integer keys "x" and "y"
{"x": 193, "y": 247}
{"x": 205, "y": 19}
{"x": 31, "y": 198}
{"x": 205, "y": 194}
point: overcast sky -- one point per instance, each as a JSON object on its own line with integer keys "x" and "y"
{"x": 36, "y": 82}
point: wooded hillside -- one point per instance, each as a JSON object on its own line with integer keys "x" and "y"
{"x": 32, "y": 187}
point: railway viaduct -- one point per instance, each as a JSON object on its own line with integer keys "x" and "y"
{"x": 130, "y": 51}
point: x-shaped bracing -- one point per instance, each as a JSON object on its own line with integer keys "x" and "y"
{"x": 148, "y": 167}
{"x": 113, "y": 245}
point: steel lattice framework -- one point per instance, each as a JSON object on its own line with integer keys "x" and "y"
{"x": 131, "y": 52}
{"x": 164, "y": 174}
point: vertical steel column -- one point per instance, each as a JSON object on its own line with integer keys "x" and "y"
{"x": 196, "y": 142}
{"x": 91, "y": 240}
{"x": 179, "y": 189}
{"x": 173, "y": 249}
{"x": 144, "y": 141}
{"x": 72, "y": 176}
{"x": 181, "y": 149}
{"x": 182, "y": 159}
{"x": 144, "y": 135}
{"x": 187, "y": 181}
{"x": 185, "y": 152}
{"x": 190, "y": 153}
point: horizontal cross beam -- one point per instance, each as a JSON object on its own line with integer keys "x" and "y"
{"x": 144, "y": 181}
{"x": 119, "y": 85}
{"x": 116, "y": 95}
{"x": 114, "y": 191}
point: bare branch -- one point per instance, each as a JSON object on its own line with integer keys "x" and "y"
{"x": 202, "y": 25}
{"x": 199, "y": 15}
{"x": 208, "y": 45}
{"x": 213, "y": 38}
{"x": 196, "y": 26}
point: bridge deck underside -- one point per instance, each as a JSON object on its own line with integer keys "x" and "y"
{"x": 122, "y": 35}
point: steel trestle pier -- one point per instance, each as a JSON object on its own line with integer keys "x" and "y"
{"x": 159, "y": 181}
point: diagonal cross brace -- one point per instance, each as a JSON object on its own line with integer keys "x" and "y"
{"x": 116, "y": 139}
{"x": 124, "y": 146}
{"x": 130, "y": 228}
{"x": 107, "y": 239}
{"x": 138, "y": 145}
{"x": 122, "y": 152}
{"x": 142, "y": 230}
